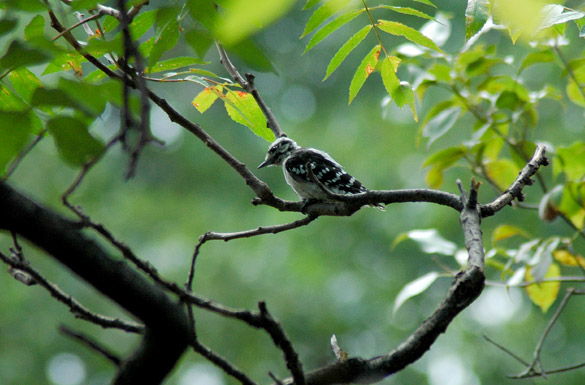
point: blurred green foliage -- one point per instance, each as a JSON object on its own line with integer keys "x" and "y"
{"x": 484, "y": 101}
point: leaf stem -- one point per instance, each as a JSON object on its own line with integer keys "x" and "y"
{"x": 375, "y": 28}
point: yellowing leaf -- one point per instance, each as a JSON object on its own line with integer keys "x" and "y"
{"x": 364, "y": 70}
{"x": 506, "y": 231}
{"x": 434, "y": 177}
{"x": 544, "y": 294}
{"x": 205, "y": 98}
{"x": 502, "y": 171}
{"x": 568, "y": 259}
{"x": 521, "y": 16}
{"x": 243, "y": 109}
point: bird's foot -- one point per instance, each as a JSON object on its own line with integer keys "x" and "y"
{"x": 306, "y": 203}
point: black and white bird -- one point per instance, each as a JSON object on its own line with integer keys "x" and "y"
{"x": 294, "y": 161}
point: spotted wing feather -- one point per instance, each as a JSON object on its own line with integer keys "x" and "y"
{"x": 327, "y": 171}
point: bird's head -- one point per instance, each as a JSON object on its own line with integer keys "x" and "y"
{"x": 279, "y": 150}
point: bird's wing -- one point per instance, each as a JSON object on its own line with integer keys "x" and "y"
{"x": 328, "y": 171}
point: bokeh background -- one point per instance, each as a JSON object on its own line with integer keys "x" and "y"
{"x": 336, "y": 276}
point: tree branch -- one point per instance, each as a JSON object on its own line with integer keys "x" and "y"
{"x": 465, "y": 289}
{"x": 91, "y": 344}
{"x": 515, "y": 190}
{"x": 248, "y": 85}
{"x": 167, "y": 333}
{"x": 74, "y": 306}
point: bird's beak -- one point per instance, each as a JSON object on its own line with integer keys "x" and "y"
{"x": 264, "y": 164}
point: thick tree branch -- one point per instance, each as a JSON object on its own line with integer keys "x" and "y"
{"x": 167, "y": 333}
{"x": 465, "y": 289}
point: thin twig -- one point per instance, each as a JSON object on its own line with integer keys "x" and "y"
{"x": 74, "y": 306}
{"x": 505, "y": 350}
{"x": 23, "y": 154}
{"x": 248, "y": 84}
{"x": 258, "y": 231}
{"x": 222, "y": 363}
{"x": 92, "y": 17}
{"x": 84, "y": 170}
{"x": 91, "y": 344}
{"x": 545, "y": 333}
{"x": 280, "y": 339}
{"x": 536, "y": 282}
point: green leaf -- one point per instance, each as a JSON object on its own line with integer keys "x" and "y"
{"x": 401, "y": 93}
{"x": 7, "y": 25}
{"x": 572, "y": 204}
{"x": 346, "y": 49}
{"x": 200, "y": 40}
{"x": 24, "y": 82}
{"x": 92, "y": 97}
{"x": 532, "y": 58}
{"x": 76, "y": 146}
{"x": 364, "y": 70}
{"x": 310, "y": 4}
{"x": 174, "y": 63}
{"x": 206, "y": 98}
{"x": 332, "y": 27}
{"x": 252, "y": 55}
{"x": 9, "y": 101}
{"x": 502, "y": 172}
{"x": 408, "y": 11}
{"x": 389, "y": 78}
{"x": 553, "y": 14}
{"x": 84, "y": 4}
{"x": 476, "y": 15}
{"x": 35, "y": 28}
{"x": 19, "y": 55}
{"x": 445, "y": 158}
{"x": 571, "y": 161}
{"x": 15, "y": 127}
{"x": 26, "y": 6}
{"x": 142, "y": 23}
{"x": 544, "y": 294}
{"x": 440, "y": 124}
{"x": 56, "y": 98}
{"x": 427, "y": 2}
{"x": 204, "y": 12}
{"x": 434, "y": 177}
{"x": 243, "y": 109}
{"x": 323, "y": 13}
{"x": 243, "y": 18}
{"x": 414, "y": 288}
{"x": 580, "y": 23}
{"x": 507, "y": 231}
{"x": 167, "y": 39}
{"x": 399, "y": 29}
